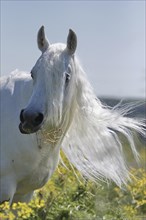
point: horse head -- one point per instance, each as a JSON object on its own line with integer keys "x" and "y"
{"x": 53, "y": 96}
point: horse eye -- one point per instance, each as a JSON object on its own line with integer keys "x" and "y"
{"x": 67, "y": 78}
{"x": 68, "y": 74}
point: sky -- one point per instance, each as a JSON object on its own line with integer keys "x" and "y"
{"x": 111, "y": 40}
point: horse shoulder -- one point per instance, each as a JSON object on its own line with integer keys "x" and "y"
{"x": 11, "y": 101}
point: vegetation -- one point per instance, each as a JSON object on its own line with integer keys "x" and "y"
{"x": 67, "y": 197}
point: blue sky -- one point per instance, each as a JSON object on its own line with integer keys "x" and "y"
{"x": 111, "y": 39}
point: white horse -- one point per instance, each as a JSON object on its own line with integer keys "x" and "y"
{"x": 53, "y": 107}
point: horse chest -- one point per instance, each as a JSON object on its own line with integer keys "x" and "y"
{"x": 39, "y": 174}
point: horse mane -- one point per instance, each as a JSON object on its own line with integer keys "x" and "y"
{"x": 92, "y": 143}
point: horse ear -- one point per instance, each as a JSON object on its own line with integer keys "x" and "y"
{"x": 42, "y": 41}
{"x": 71, "y": 42}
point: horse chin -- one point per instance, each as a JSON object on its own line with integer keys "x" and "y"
{"x": 27, "y": 130}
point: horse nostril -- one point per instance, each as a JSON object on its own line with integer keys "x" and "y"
{"x": 21, "y": 116}
{"x": 31, "y": 119}
{"x": 38, "y": 120}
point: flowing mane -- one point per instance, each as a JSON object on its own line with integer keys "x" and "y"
{"x": 92, "y": 144}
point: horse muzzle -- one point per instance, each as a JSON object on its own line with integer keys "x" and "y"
{"x": 30, "y": 122}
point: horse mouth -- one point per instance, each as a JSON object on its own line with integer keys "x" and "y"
{"x": 28, "y": 129}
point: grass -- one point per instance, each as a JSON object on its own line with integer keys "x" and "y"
{"x": 64, "y": 197}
